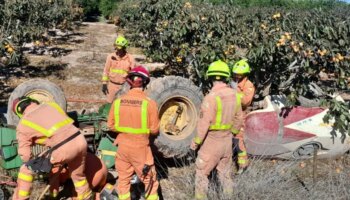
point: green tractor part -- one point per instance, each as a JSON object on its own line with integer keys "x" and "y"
{"x": 9, "y": 159}
{"x": 107, "y": 151}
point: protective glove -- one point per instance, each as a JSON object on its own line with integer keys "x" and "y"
{"x": 105, "y": 89}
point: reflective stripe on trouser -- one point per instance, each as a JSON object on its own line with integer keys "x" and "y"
{"x": 24, "y": 184}
{"x": 152, "y": 197}
{"x": 54, "y": 184}
{"x": 130, "y": 160}
{"x": 208, "y": 159}
{"x": 82, "y": 188}
{"x": 76, "y": 165}
{"x": 112, "y": 91}
{"x": 200, "y": 196}
{"x": 242, "y": 151}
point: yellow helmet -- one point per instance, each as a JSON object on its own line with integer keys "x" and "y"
{"x": 218, "y": 68}
{"x": 121, "y": 42}
{"x": 241, "y": 67}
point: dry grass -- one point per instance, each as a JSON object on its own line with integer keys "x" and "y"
{"x": 271, "y": 179}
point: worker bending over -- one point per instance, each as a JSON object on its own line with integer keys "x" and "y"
{"x": 47, "y": 124}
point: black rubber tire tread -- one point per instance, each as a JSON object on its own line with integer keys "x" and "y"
{"x": 34, "y": 84}
{"x": 2, "y": 194}
{"x": 309, "y": 103}
{"x": 3, "y": 119}
{"x": 161, "y": 89}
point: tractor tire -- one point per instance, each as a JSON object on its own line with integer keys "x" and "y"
{"x": 40, "y": 89}
{"x": 3, "y": 193}
{"x": 175, "y": 94}
{"x": 309, "y": 103}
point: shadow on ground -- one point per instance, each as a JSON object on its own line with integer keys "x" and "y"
{"x": 10, "y": 73}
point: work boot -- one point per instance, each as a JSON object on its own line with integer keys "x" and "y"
{"x": 108, "y": 193}
{"x": 241, "y": 170}
{"x": 104, "y": 195}
{"x": 135, "y": 179}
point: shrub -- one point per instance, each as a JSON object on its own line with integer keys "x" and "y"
{"x": 25, "y": 21}
{"x": 107, "y": 6}
{"x": 288, "y": 49}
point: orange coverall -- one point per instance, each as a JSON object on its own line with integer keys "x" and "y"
{"x": 47, "y": 124}
{"x": 216, "y": 145}
{"x": 115, "y": 71}
{"x": 246, "y": 88}
{"x": 95, "y": 171}
{"x": 135, "y": 118}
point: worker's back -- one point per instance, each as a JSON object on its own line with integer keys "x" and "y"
{"x": 137, "y": 113}
{"x": 46, "y": 124}
{"x": 229, "y": 107}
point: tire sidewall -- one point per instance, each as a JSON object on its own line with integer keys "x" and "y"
{"x": 31, "y": 85}
{"x": 167, "y": 146}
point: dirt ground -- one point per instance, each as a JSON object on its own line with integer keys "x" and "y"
{"x": 79, "y": 72}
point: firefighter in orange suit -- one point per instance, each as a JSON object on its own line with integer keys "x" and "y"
{"x": 221, "y": 113}
{"x": 117, "y": 66}
{"x": 247, "y": 90}
{"x": 47, "y": 124}
{"x": 134, "y": 117}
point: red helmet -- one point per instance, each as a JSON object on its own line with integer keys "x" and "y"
{"x": 138, "y": 77}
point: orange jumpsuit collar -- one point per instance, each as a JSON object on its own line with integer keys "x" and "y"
{"x": 219, "y": 86}
{"x": 137, "y": 91}
{"x": 30, "y": 108}
{"x": 242, "y": 83}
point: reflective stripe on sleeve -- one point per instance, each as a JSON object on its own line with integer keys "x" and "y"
{"x": 234, "y": 131}
{"x": 197, "y": 140}
{"x": 41, "y": 140}
{"x": 152, "y": 197}
{"x": 105, "y": 78}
